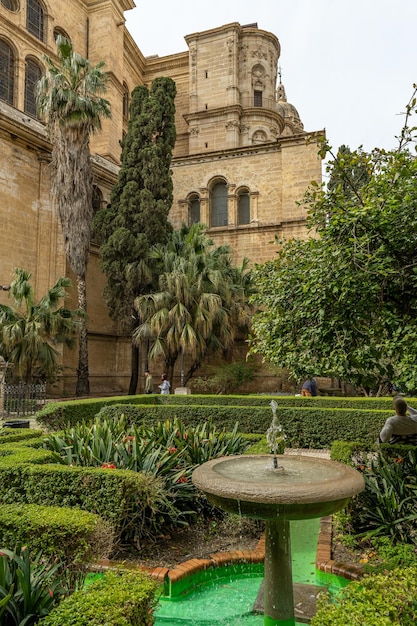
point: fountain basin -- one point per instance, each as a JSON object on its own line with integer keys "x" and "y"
{"x": 302, "y": 488}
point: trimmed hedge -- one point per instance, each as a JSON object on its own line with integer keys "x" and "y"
{"x": 70, "y": 536}
{"x": 57, "y": 415}
{"x": 18, "y": 434}
{"x": 121, "y": 497}
{"x": 118, "y": 599}
{"x": 304, "y": 427}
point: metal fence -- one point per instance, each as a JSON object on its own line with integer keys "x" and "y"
{"x": 22, "y": 399}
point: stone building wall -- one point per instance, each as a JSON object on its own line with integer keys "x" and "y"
{"x": 233, "y": 124}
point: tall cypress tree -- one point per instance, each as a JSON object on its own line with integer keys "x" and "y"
{"x": 137, "y": 217}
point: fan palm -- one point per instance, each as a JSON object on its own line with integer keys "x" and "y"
{"x": 29, "y": 330}
{"x": 68, "y": 96}
{"x": 201, "y": 304}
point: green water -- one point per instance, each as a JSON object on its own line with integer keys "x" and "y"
{"x": 228, "y": 600}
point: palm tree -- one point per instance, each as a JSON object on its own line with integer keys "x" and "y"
{"x": 29, "y": 329}
{"x": 201, "y": 304}
{"x": 68, "y": 97}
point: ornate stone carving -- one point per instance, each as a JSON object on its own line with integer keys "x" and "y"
{"x": 259, "y": 53}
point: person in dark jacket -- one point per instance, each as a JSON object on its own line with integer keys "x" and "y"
{"x": 309, "y": 388}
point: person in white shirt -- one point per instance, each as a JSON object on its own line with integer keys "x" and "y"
{"x": 165, "y": 385}
{"x": 401, "y": 427}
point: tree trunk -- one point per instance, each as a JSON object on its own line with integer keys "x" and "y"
{"x": 83, "y": 383}
{"x": 134, "y": 372}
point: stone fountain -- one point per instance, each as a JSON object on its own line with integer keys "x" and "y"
{"x": 278, "y": 489}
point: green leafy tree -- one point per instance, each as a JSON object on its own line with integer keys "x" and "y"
{"x": 343, "y": 303}
{"x": 30, "y": 330}
{"x": 137, "y": 216}
{"x": 68, "y": 97}
{"x": 351, "y": 174}
{"x": 201, "y": 304}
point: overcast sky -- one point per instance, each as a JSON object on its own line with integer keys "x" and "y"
{"x": 348, "y": 66}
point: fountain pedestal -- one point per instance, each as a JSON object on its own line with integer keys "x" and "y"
{"x": 278, "y": 587}
{"x": 303, "y": 488}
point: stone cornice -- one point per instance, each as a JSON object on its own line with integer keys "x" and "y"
{"x": 105, "y": 168}
{"x": 21, "y": 126}
{"x": 238, "y": 153}
{"x": 124, "y": 5}
{"x": 168, "y": 63}
{"x": 31, "y": 133}
{"x": 234, "y": 26}
{"x": 134, "y": 56}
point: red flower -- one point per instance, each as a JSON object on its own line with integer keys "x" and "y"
{"x": 108, "y": 466}
{"x": 51, "y": 593}
{"x": 183, "y": 479}
{"x": 172, "y": 449}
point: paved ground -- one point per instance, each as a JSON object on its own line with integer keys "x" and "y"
{"x": 321, "y": 454}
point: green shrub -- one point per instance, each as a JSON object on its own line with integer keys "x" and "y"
{"x": 385, "y": 556}
{"x": 226, "y": 378}
{"x": 18, "y": 434}
{"x": 28, "y": 588}
{"x": 303, "y": 427}
{"x": 261, "y": 446}
{"x": 379, "y": 600}
{"x": 352, "y": 453}
{"x": 125, "y": 499}
{"x": 69, "y": 535}
{"x": 118, "y": 599}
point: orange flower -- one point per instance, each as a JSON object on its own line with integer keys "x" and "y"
{"x": 108, "y": 466}
{"x": 183, "y": 479}
{"x": 172, "y": 449}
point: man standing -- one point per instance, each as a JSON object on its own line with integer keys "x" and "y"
{"x": 148, "y": 382}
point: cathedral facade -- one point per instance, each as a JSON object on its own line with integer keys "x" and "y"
{"x": 241, "y": 162}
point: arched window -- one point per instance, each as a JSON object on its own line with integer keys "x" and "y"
{"x": 194, "y": 209}
{"x": 32, "y": 75}
{"x": 60, "y": 31}
{"x": 7, "y": 71}
{"x": 219, "y": 204}
{"x": 97, "y": 199}
{"x": 243, "y": 207}
{"x": 12, "y": 5}
{"x": 125, "y": 106}
{"x": 35, "y": 19}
